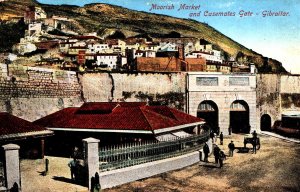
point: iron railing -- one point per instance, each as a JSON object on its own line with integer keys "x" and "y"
{"x": 129, "y": 154}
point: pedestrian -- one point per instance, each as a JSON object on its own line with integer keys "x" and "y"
{"x": 73, "y": 165}
{"x": 229, "y": 129}
{"x": 212, "y": 135}
{"x": 221, "y": 138}
{"x": 254, "y": 143}
{"x": 97, "y": 183}
{"x": 75, "y": 152}
{"x": 215, "y": 138}
{"x": 216, "y": 153}
{"x": 206, "y": 152}
{"x": 222, "y": 157}
{"x": 254, "y": 134}
{"x": 231, "y": 148}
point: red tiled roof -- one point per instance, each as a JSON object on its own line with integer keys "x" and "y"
{"x": 118, "y": 116}
{"x": 12, "y": 126}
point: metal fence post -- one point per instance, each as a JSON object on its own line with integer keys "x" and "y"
{"x": 91, "y": 149}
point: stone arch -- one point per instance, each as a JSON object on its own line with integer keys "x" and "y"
{"x": 239, "y": 117}
{"x": 265, "y": 122}
{"x": 209, "y": 111}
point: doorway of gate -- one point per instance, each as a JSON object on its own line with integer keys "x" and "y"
{"x": 239, "y": 117}
{"x": 265, "y": 122}
{"x": 208, "y": 110}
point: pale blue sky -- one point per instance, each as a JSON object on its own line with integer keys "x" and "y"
{"x": 274, "y": 37}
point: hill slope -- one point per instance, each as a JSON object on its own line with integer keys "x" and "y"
{"x": 105, "y": 19}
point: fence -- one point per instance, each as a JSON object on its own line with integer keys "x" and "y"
{"x": 116, "y": 157}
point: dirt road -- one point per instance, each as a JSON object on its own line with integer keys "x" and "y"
{"x": 275, "y": 167}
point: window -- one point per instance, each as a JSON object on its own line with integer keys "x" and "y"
{"x": 206, "y": 107}
{"x": 207, "y": 81}
{"x": 239, "y": 81}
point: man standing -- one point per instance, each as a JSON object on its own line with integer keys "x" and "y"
{"x": 254, "y": 134}
{"x": 222, "y": 157}
{"x": 216, "y": 153}
{"x": 221, "y": 138}
{"x": 254, "y": 141}
{"x": 72, "y": 164}
{"x": 231, "y": 148}
{"x": 206, "y": 152}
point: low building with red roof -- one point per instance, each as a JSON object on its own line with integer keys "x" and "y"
{"x": 30, "y": 137}
{"x": 116, "y": 122}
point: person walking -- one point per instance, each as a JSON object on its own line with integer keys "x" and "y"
{"x": 206, "y": 152}
{"x": 221, "y": 138}
{"x": 216, "y": 153}
{"x": 222, "y": 157}
{"x": 229, "y": 129}
{"x": 212, "y": 135}
{"x": 231, "y": 148}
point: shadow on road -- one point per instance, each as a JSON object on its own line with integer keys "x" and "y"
{"x": 67, "y": 180}
{"x": 209, "y": 165}
{"x": 63, "y": 179}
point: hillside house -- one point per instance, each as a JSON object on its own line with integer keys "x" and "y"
{"x": 95, "y": 47}
{"x": 110, "y": 60}
{"x": 33, "y": 13}
{"x": 212, "y": 56}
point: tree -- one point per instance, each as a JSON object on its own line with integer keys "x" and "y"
{"x": 117, "y": 35}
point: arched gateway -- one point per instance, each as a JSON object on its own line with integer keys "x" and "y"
{"x": 265, "y": 122}
{"x": 208, "y": 110}
{"x": 239, "y": 117}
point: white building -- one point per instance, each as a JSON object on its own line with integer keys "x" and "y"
{"x": 223, "y": 100}
{"x": 163, "y": 46}
{"x": 40, "y": 13}
{"x": 95, "y": 47}
{"x": 212, "y": 56}
{"x": 107, "y": 60}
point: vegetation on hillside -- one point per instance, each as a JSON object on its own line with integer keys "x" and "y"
{"x": 10, "y": 34}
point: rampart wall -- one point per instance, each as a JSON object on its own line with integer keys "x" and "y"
{"x": 162, "y": 88}
{"x": 31, "y": 93}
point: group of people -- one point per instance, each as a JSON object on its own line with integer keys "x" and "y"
{"x": 218, "y": 153}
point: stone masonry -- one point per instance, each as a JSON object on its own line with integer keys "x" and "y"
{"x": 223, "y": 92}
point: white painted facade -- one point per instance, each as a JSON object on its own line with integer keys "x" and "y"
{"x": 168, "y": 46}
{"x": 107, "y": 59}
{"x": 223, "y": 91}
{"x": 40, "y": 13}
{"x": 98, "y": 48}
{"x": 214, "y": 56}
{"x": 35, "y": 28}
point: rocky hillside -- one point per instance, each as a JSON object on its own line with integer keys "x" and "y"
{"x": 105, "y": 19}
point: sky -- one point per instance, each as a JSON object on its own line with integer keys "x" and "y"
{"x": 276, "y": 37}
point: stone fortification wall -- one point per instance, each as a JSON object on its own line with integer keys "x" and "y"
{"x": 31, "y": 93}
{"x": 268, "y": 96}
{"x": 277, "y": 94}
{"x": 290, "y": 93}
{"x": 165, "y": 88}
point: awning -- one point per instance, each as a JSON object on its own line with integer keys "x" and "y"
{"x": 182, "y": 134}
{"x": 173, "y": 136}
{"x": 166, "y": 137}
